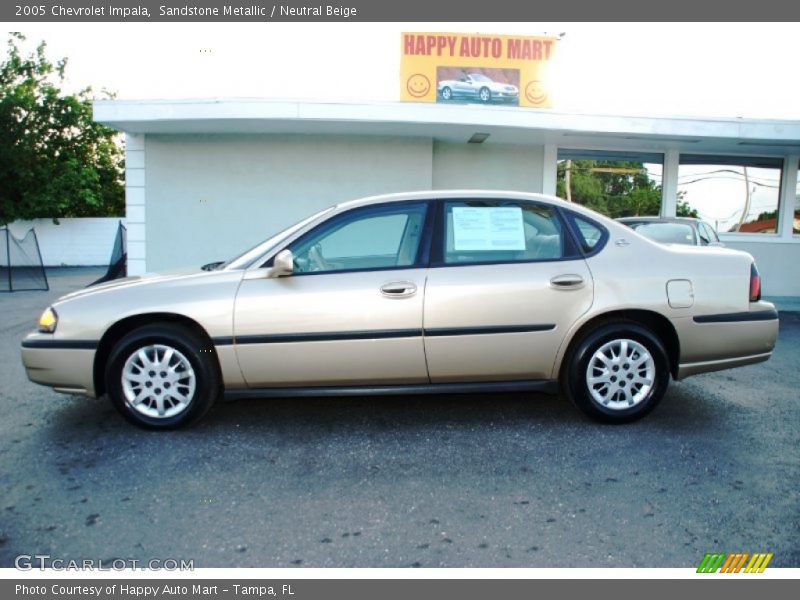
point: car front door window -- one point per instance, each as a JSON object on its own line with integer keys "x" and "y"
{"x": 710, "y": 234}
{"x": 705, "y": 238}
{"x": 384, "y": 237}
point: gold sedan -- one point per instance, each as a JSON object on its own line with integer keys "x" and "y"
{"x": 454, "y": 292}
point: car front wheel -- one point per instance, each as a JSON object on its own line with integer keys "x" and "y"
{"x": 162, "y": 376}
{"x": 485, "y": 94}
{"x": 618, "y": 373}
{"x": 447, "y": 93}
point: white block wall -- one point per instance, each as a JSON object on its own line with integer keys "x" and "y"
{"x": 73, "y": 242}
{"x": 135, "y": 202}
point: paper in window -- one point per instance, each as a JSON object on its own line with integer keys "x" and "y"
{"x": 488, "y": 228}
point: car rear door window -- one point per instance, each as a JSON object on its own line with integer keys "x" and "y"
{"x": 485, "y": 231}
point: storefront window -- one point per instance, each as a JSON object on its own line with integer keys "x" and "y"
{"x": 796, "y": 224}
{"x": 617, "y": 184}
{"x": 735, "y": 194}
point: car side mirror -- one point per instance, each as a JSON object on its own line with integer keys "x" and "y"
{"x": 283, "y": 264}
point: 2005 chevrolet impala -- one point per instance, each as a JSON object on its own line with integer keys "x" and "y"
{"x": 415, "y": 293}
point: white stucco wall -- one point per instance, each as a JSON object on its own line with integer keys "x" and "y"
{"x": 487, "y": 166}
{"x": 209, "y": 197}
{"x": 778, "y": 263}
{"x": 73, "y": 242}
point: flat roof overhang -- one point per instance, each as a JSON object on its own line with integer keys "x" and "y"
{"x": 452, "y": 123}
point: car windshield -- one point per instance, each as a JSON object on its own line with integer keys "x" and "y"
{"x": 666, "y": 233}
{"x": 245, "y": 259}
{"x": 479, "y": 77}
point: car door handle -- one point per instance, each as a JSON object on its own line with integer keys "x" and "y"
{"x": 399, "y": 289}
{"x": 569, "y": 281}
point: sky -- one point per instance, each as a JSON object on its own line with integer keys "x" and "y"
{"x": 717, "y": 70}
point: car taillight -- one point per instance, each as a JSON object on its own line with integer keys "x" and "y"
{"x": 755, "y": 284}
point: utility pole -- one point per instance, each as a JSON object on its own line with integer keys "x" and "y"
{"x": 567, "y": 179}
{"x": 746, "y": 210}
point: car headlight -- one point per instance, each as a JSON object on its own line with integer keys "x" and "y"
{"x": 48, "y": 321}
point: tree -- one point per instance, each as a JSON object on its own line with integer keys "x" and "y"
{"x": 682, "y": 208}
{"x": 55, "y": 161}
{"x": 613, "y": 188}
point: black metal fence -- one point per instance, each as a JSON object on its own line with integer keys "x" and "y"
{"x": 118, "y": 266}
{"x": 21, "y": 266}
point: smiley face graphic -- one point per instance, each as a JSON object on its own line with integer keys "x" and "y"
{"x": 535, "y": 92}
{"x": 418, "y": 85}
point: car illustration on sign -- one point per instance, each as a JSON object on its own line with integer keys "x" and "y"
{"x": 476, "y": 86}
{"x": 424, "y": 292}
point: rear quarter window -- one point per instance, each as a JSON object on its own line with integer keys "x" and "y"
{"x": 591, "y": 236}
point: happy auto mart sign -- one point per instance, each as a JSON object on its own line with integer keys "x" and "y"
{"x": 475, "y": 68}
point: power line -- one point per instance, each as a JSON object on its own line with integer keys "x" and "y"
{"x": 759, "y": 184}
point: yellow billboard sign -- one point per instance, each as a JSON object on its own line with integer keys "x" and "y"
{"x": 475, "y": 68}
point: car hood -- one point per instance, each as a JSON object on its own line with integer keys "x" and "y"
{"x": 136, "y": 280}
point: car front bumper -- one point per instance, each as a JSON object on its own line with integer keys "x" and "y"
{"x": 62, "y": 365}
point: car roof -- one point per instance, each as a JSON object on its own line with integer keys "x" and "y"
{"x": 475, "y": 194}
{"x": 658, "y": 220}
{"x": 471, "y": 194}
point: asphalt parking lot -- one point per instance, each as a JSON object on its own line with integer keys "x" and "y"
{"x": 515, "y": 480}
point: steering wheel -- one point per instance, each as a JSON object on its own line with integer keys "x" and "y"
{"x": 318, "y": 262}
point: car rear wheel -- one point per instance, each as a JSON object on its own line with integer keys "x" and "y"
{"x": 162, "y": 376}
{"x": 485, "y": 94}
{"x": 618, "y": 373}
{"x": 447, "y": 93}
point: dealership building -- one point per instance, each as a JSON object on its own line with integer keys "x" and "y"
{"x": 205, "y": 179}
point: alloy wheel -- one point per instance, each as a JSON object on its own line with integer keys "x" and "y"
{"x": 158, "y": 381}
{"x": 620, "y": 374}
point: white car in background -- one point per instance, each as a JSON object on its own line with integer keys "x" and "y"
{"x": 479, "y": 87}
{"x": 674, "y": 230}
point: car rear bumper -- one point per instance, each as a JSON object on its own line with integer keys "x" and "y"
{"x": 64, "y": 366}
{"x": 723, "y": 341}
{"x": 687, "y": 369}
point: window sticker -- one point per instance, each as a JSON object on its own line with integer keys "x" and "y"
{"x": 488, "y": 228}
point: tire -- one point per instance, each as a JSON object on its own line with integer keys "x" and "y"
{"x": 485, "y": 94}
{"x": 612, "y": 390}
{"x": 171, "y": 398}
{"x": 447, "y": 93}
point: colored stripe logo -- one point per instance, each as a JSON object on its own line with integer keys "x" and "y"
{"x": 736, "y": 562}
